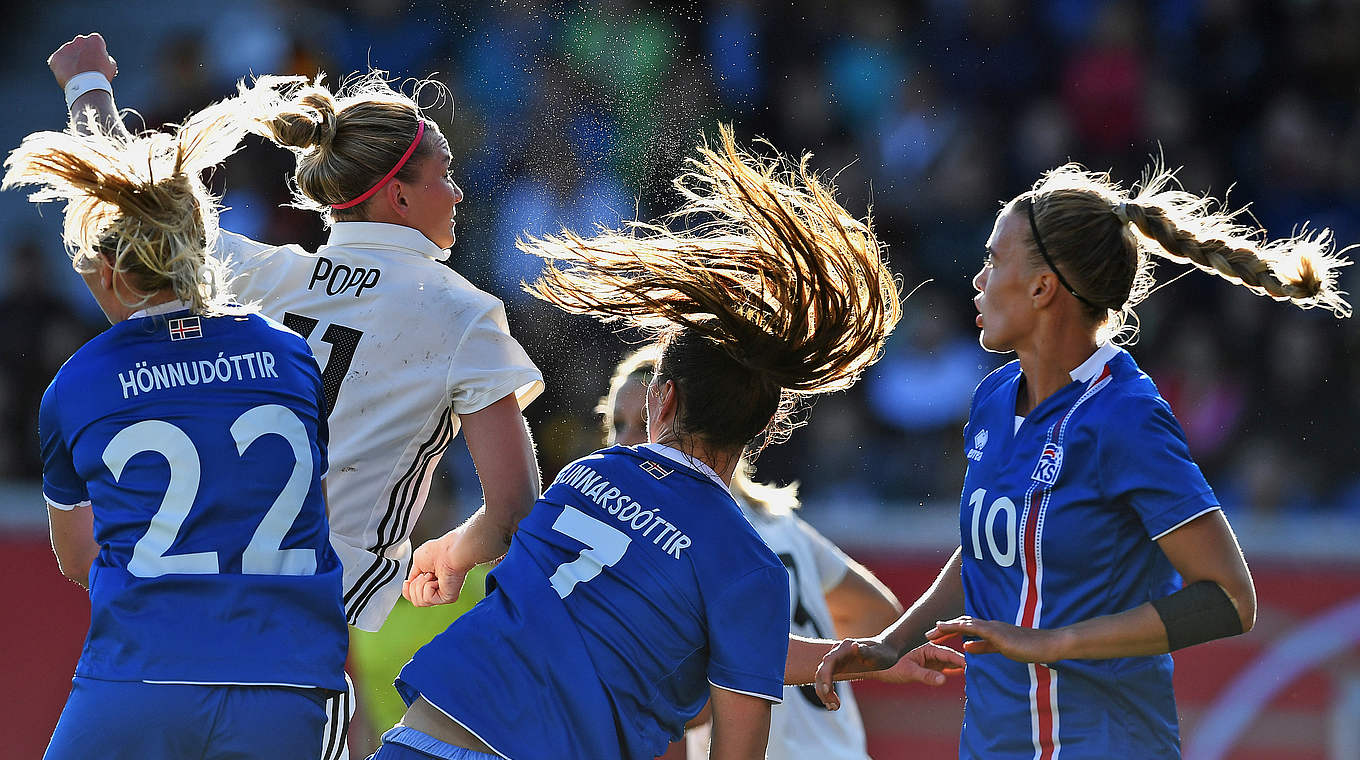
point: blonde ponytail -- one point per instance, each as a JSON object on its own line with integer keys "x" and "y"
{"x": 1102, "y": 240}
{"x": 139, "y": 200}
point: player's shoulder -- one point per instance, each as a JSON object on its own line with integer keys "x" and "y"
{"x": 99, "y": 353}
{"x": 242, "y": 254}
{"x": 625, "y": 463}
{"x": 1133, "y": 392}
{"x": 265, "y": 328}
{"x": 458, "y": 291}
{"x": 998, "y": 379}
{"x": 257, "y": 269}
{"x": 1129, "y": 402}
{"x": 767, "y": 521}
{"x": 429, "y": 285}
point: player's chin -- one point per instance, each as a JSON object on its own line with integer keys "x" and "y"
{"x": 990, "y": 342}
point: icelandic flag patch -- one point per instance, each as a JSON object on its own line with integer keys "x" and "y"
{"x": 185, "y": 328}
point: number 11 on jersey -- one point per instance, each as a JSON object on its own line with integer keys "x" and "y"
{"x": 343, "y": 340}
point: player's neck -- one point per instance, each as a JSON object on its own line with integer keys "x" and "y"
{"x": 120, "y": 310}
{"x": 1047, "y": 366}
{"x": 722, "y": 460}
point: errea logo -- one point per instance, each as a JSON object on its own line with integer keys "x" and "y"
{"x": 979, "y": 441}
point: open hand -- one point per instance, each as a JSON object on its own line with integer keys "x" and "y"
{"x": 87, "y": 52}
{"x": 992, "y": 636}
{"x": 928, "y": 664}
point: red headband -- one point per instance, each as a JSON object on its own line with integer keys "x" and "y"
{"x": 420, "y": 132}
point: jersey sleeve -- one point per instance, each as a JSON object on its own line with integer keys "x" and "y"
{"x": 1145, "y": 463}
{"x": 748, "y": 631}
{"x": 62, "y": 487}
{"x": 830, "y": 561}
{"x": 489, "y": 365}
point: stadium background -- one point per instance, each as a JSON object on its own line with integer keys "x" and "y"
{"x": 931, "y": 112}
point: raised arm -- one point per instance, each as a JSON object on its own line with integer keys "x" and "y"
{"x": 88, "y": 53}
{"x": 498, "y": 440}
{"x": 1218, "y": 600}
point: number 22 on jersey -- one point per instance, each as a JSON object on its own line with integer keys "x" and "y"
{"x": 264, "y": 555}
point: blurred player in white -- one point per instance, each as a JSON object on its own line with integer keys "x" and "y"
{"x": 831, "y": 594}
{"x": 410, "y": 351}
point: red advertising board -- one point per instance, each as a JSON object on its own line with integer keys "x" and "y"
{"x": 1290, "y": 689}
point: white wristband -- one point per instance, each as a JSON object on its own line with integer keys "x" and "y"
{"x": 84, "y": 82}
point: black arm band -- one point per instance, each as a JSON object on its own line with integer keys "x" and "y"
{"x": 1197, "y": 613}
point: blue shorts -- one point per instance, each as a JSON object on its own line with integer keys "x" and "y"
{"x": 130, "y": 719}
{"x": 402, "y": 743}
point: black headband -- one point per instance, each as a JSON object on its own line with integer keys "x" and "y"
{"x": 1038, "y": 241}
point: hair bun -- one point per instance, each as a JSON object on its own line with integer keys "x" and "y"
{"x": 325, "y": 122}
{"x": 309, "y": 122}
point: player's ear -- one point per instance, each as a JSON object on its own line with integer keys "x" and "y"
{"x": 662, "y": 402}
{"x": 105, "y": 266}
{"x": 1042, "y": 289}
{"x": 394, "y": 192}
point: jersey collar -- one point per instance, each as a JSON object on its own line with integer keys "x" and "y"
{"x": 1092, "y": 366}
{"x": 160, "y": 308}
{"x": 680, "y": 457}
{"x": 386, "y": 235}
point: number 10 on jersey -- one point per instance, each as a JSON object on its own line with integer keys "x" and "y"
{"x": 1001, "y": 508}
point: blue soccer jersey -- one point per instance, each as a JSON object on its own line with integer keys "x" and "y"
{"x": 1059, "y": 521}
{"x": 200, "y": 443}
{"x": 633, "y": 584}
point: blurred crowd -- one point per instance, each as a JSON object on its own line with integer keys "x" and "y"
{"x": 928, "y": 112}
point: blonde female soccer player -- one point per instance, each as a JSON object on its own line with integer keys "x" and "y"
{"x": 410, "y": 351}
{"x": 1091, "y": 544}
{"x": 830, "y": 593}
{"x": 635, "y": 590}
{"x": 183, "y": 451}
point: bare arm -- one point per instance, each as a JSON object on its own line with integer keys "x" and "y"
{"x": 87, "y": 52}
{"x": 942, "y": 601}
{"x": 73, "y": 542}
{"x": 854, "y": 658}
{"x": 1202, "y": 550}
{"x": 498, "y": 440}
{"x": 860, "y": 604}
{"x": 927, "y": 664}
{"x": 741, "y": 725}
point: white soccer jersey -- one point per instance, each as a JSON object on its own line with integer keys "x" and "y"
{"x": 801, "y": 727}
{"x": 405, "y": 345}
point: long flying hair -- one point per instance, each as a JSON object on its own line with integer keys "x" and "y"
{"x": 139, "y": 200}
{"x": 1104, "y": 238}
{"x": 773, "y": 291}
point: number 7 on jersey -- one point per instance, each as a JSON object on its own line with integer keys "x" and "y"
{"x": 604, "y": 546}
